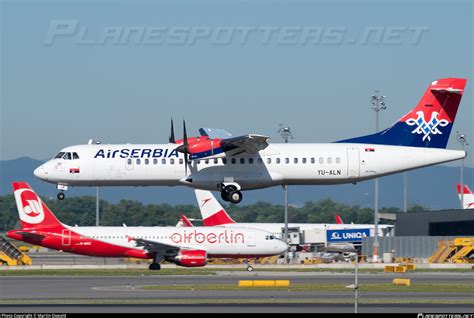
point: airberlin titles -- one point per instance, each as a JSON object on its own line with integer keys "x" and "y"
{"x": 227, "y": 236}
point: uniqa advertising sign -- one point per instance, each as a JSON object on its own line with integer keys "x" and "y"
{"x": 353, "y": 235}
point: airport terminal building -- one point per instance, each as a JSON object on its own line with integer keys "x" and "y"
{"x": 435, "y": 223}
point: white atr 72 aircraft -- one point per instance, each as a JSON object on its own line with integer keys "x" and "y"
{"x": 219, "y": 162}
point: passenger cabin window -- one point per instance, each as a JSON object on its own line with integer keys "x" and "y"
{"x": 242, "y": 160}
{"x": 181, "y": 161}
{"x": 147, "y": 161}
{"x": 59, "y": 155}
{"x": 287, "y": 160}
{"x": 338, "y": 160}
{"x": 313, "y": 160}
{"x": 75, "y": 155}
{"x": 269, "y": 160}
{"x": 295, "y": 160}
{"x": 224, "y": 160}
{"x": 250, "y": 160}
{"x": 329, "y": 160}
{"x": 215, "y": 161}
{"x": 155, "y": 161}
{"x": 163, "y": 161}
{"x": 260, "y": 161}
{"x": 233, "y": 160}
{"x": 172, "y": 161}
{"x": 138, "y": 161}
{"x": 129, "y": 161}
{"x": 303, "y": 160}
{"x": 321, "y": 160}
{"x": 278, "y": 160}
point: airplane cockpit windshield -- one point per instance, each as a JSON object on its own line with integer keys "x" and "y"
{"x": 67, "y": 155}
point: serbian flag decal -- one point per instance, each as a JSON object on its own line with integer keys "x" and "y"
{"x": 369, "y": 149}
{"x": 74, "y": 170}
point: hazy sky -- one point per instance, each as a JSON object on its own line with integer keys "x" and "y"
{"x": 118, "y": 70}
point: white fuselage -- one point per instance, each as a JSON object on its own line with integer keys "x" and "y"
{"x": 215, "y": 241}
{"x": 278, "y": 164}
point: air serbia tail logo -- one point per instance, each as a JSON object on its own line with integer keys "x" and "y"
{"x": 31, "y": 209}
{"x": 427, "y": 128}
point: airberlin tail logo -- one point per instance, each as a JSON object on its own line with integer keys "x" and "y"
{"x": 30, "y": 206}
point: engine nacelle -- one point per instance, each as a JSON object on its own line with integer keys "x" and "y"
{"x": 191, "y": 258}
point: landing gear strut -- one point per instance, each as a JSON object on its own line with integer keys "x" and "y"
{"x": 231, "y": 194}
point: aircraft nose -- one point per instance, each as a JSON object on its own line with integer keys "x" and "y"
{"x": 40, "y": 172}
{"x": 282, "y": 247}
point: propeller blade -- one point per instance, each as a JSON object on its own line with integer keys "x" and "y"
{"x": 172, "y": 138}
{"x": 185, "y": 136}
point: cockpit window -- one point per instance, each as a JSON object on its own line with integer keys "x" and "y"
{"x": 75, "y": 155}
{"x": 67, "y": 156}
{"x": 59, "y": 155}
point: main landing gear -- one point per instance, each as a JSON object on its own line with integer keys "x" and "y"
{"x": 230, "y": 193}
{"x": 154, "y": 267}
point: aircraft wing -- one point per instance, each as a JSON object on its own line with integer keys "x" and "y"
{"x": 153, "y": 247}
{"x": 251, "y": 144}
{"x": 215, "y": 133}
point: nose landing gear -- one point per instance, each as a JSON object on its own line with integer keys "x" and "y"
{"x": 61, "y": 195}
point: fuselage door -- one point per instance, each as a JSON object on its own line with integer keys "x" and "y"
{"x": 66, "y": 237}
{"x": 251, "y": 239}
{"x": 353, "y": 163}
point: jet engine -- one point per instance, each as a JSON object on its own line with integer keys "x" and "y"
{"x": 191, "y": 258}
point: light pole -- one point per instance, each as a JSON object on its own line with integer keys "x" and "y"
{"x": 462, "y": 139}
{"x": 378, "y": 103}
{"x": 355, "y": 286}
{"x": 97, "y": 207}
{"x": 285, "y": 133}
{"x": 405, "y": 185}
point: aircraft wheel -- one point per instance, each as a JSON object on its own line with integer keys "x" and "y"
{"x": 61, "y": 196}
{"x": 235, "y": 197}
{"x": 249, "y": 268}
{"x": 225, "y": 196}
{"x": 154, "y": 267}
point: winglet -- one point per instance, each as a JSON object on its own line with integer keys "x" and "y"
{"x": 185, "y": 221}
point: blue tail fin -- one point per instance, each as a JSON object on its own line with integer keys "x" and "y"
{"x": 428, "y": 124}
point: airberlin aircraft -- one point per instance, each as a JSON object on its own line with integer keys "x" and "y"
{"x": 216, "y": 161}
{"x": 189, "y": 247}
